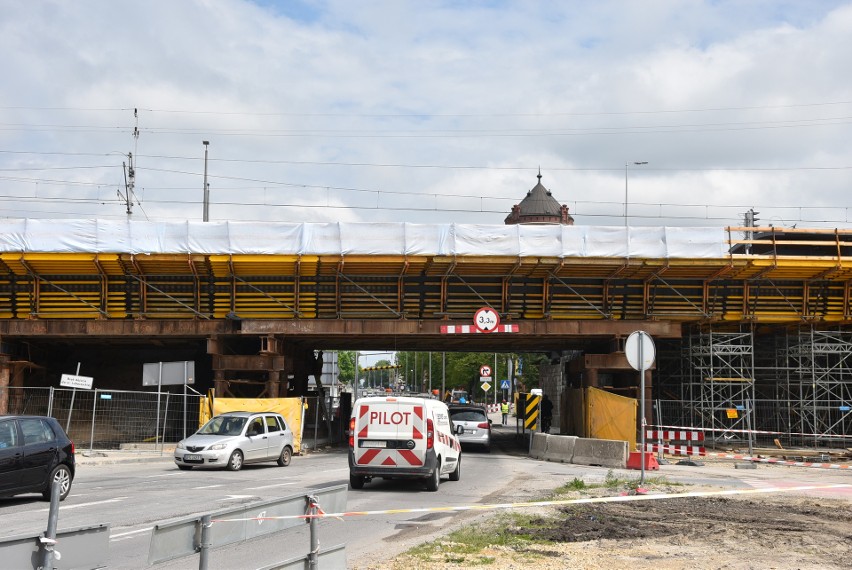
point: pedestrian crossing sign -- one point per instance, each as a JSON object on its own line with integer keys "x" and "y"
{"x": 504, "y": 384}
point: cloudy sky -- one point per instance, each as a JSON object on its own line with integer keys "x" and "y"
{"x": 428, "y": 111}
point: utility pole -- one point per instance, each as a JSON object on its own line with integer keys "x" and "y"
{"x": 129, "y": 183}
{"x": 206, "y": 186}
{"x": 130, "y": 170}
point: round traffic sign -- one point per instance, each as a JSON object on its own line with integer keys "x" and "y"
{"x": 485, "y": 370}
{"x": 639, "y": 349}
{"x": 486, "y": 320}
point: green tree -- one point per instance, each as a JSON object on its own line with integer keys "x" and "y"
{"x": 346, "y": 366}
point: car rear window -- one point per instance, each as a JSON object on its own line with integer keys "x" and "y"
{"x": 468, "y": 416}
{"x": 8, "y": 434}
{"x": 36, "y": 431}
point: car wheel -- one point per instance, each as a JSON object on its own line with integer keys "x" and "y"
{"x": 356, "y": 481}
{"x": 184, "y": 467}
{"x": 284, "y": 458}
{"x": 434, "y": 479}
{"x": 235, "y": 462}
{"x": 456, "y": 474}
{"x": 62, "y": 474}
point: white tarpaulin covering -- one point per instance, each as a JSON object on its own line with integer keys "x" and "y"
{"x": 139, "y": 237}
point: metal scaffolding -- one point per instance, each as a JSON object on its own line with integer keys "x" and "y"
{"x": 821, "y": 371}
{"x": 722, "y": 378}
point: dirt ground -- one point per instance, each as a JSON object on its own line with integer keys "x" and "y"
{"x": 781, "y": 531}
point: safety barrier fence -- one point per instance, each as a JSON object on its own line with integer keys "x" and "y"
{"x": 200, "y": 534}
{"x": 675, "y": 436}
{"x": 116, "y": 419}
{"x": 110, "y": 419}
{"x": 771, "y": 420}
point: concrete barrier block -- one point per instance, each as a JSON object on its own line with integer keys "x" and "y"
{"x": 539, "y": 445}
{"x": 602, "y": 452}
{"x": 560, "y": 448}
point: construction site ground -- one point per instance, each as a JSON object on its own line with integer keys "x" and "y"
{"x": 783, "y": 530}
{"x": 764, "y": 527}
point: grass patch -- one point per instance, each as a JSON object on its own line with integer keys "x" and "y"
{"x": 512, "y": 530}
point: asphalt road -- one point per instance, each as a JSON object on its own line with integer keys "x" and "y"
{"x": 132, "y": 497}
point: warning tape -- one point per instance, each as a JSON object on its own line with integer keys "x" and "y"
{"x": 614, "y": 499}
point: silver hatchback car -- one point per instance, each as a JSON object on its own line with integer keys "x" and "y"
{"x": 233, "y": 439}
{"x": 476, "y": 427}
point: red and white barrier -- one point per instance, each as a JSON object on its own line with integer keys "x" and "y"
{"x": 675, "y": 435}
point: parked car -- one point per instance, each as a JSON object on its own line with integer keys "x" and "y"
{"x": 234, "y": 439}
{"x": 34, "y": 452}
{"x": 474, "y": 423}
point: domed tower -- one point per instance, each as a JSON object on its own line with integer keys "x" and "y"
{"x": 539, "y": 207}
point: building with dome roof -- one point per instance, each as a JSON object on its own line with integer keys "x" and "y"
{"x": 539, "y": 207}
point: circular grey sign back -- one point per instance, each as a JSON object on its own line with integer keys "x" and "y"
{"x": 636, "y": 342}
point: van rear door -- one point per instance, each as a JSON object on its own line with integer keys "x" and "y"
{"x": 390, "y": 432}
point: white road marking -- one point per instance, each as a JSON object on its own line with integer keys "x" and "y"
{"x": 231, "y": 497}
{"x": 211, "y": 486}
{"x": 268, "y": 486}
{"x": 67, "y": 507}
{"x": 176, "y": 473}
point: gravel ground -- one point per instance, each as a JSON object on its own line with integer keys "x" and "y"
{"x": 780, "y": 531}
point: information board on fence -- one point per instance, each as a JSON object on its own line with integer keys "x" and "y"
{"x": 74, "y": 381}
{"x": 165, "y": 373}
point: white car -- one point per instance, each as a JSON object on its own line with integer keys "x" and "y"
{"x": 234, "y": 439}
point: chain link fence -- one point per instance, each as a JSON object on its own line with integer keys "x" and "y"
{"x": 112, "y": 419}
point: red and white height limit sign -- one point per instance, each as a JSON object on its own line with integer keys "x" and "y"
{"x": 486, "y": 320}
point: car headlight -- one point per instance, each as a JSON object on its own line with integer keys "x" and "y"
{"x": 181, "y": 445}
{"x": 219, "y": 446}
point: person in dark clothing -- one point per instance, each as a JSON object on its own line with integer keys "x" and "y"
{"x": 546, "y": 413}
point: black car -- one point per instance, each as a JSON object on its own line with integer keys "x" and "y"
{"x": 34, "y": 452}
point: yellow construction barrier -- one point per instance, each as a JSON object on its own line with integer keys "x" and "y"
{"x": 598, "y": 414}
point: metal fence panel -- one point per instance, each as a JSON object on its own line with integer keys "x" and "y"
{"x": 334, "y": 557}
{"x": 109, "y": 419}
{"x": 176, "y": 539}
{"x": 84, "y": 547}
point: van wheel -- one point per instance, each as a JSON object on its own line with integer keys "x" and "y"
{"x": 456, "y": 474}
{"x": 434, "y": 479}
{"x": 356, "y": 481}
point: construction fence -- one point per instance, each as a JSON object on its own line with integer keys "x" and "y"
{"x": 124, "y": 419}
{"x": 729, "y": 423}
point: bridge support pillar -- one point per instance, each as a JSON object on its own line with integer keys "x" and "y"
{"x": 4, "y": 384}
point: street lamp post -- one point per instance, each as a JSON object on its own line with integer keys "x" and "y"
{"x": 626, "y": 170}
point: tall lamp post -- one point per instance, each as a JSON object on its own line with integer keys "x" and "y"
{"x": 626, "y": 170}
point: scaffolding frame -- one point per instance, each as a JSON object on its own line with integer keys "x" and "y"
{"x": 820, "y": 362}
{"x": 722, "y": 379}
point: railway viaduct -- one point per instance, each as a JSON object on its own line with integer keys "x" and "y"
{"x": 252, "y": 304}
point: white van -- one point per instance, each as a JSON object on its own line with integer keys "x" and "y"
{"x": 402, "y": 437}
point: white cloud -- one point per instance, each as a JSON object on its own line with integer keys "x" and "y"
{"x": 312, "y": 107}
